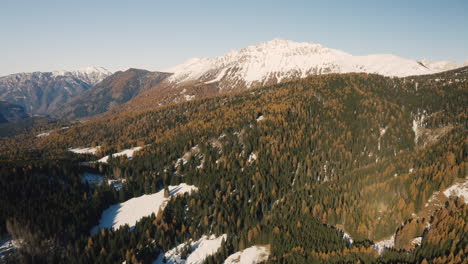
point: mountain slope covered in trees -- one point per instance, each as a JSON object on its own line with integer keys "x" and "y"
{"x": 11, "y": 112}
{"x": 292, "y": 166}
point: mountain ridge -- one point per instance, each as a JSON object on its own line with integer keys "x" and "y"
{"x": 114, "y": 90}
{"x": 285, "y": 59}
{"x": 269, "y": 63}
{"x": 42, "y": 92}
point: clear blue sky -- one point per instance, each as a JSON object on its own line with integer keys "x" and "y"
{"x": 41, "y": 35}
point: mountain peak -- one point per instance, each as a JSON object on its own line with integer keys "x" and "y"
{"x": 286, "y": 47}
{"x": 84, "y": 70}
{"x": 279, "y": 59}
{"x": 90, "y": 74}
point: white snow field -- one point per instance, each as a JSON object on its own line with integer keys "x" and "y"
{"x": 128, "y": 152}
{"x": 84, "y": 150}
{"x": 201, "y": 249}
{"x": 251, "y": 255}
{"x": 129, "y": 212}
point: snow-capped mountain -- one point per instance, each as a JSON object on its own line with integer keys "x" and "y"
{"x": 440, "y": 66}
{"x": 115, "y": 90}
{"x": 90, "y": 75}
{"x": 278, "y": 60}
{"x": 43, "y": 92}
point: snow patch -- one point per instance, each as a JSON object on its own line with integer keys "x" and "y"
{"x": 128, "y": 152}
{"x": 347, "y": 237}
{"x": 417, "y": 128}
{"x": 200, "y": 250}
{"x": 383, "y": 244}
{"x": 129, "y": 212}
{"x": 219, "y": 77}
{"x": 252, "y": 158}
{"x": 189, "y": 97}
{"x": 417, "y": 241}
{"x": 458, "y": 189}
{"x": 45, "y": 134}
{"x": 84, "y": 150}
{"x": 251, "y": 255}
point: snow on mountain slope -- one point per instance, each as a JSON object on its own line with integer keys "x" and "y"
{"x": 459, "y": 189}
{"x": 440, "y": 66}
{"x": 127, "y": 152}
{"x": 89, "y": 150}
{"x": 43, "y": 92}
{"x": 278, "y": 60}
{"x": 200, "y": 250}
{"x": 129, "y": 212}
{"x": 251, "y": 255}
{"x": 90, "y": 75}
{"x": 383, "y": 244}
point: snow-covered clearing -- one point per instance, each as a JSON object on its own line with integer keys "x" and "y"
{"x": 84, "y": 150}
{"x": 129, "y": 212}
{"x": 128, "y": 152}
{"x": 383, "y": 244}
{"x": 251, "y": 255}
{"x": 200, "y": 250}
{"x": 458, "y": 189}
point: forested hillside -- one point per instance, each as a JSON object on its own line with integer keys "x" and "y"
{"x": 299, "y": 166}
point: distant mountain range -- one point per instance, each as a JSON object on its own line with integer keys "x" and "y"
{"x": 40, "y": 93}
{"x": 87, "y": 92}
{"x": 116, "y": 89}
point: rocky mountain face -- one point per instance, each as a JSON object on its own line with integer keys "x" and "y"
{"x": 111, "y": 92}
{"x": 40, "y": 93}
{"x": 11, "y": 112}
